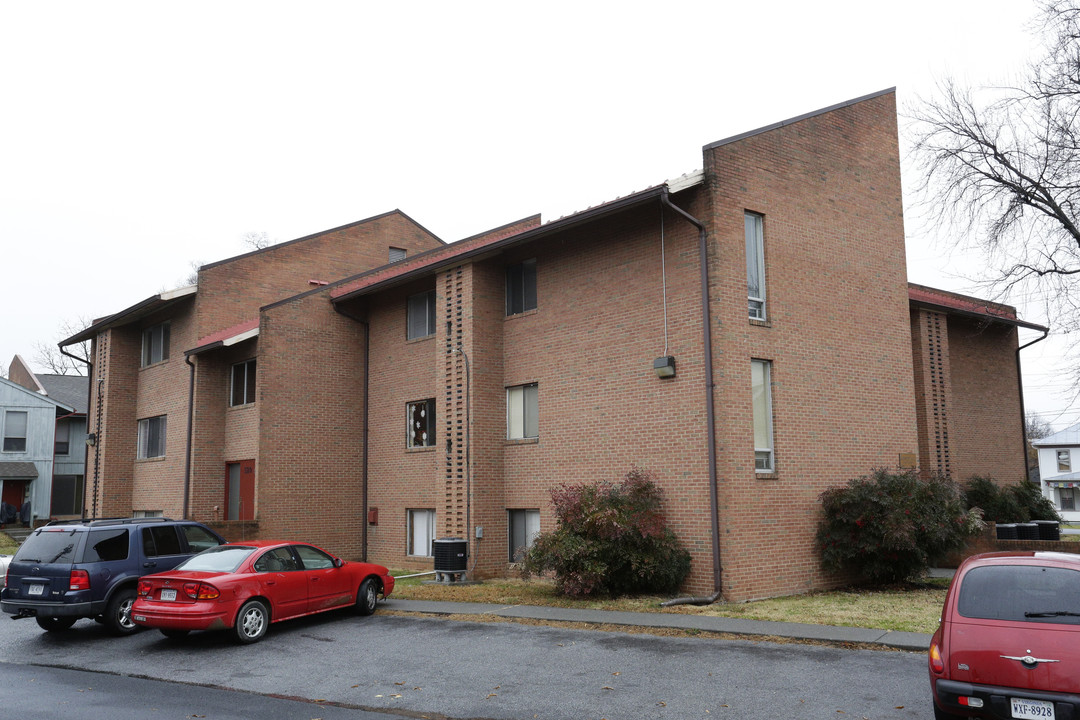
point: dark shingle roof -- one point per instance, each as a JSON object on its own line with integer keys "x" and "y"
{"x": 67, "y": 389}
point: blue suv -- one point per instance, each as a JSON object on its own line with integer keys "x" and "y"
{"x": 89, "y": 568}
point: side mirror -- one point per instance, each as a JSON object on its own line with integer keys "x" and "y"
{"x": 338, "y": 562}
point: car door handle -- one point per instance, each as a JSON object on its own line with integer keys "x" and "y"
{"x": 271, "y": 582}
{"x": 149, "y": 564}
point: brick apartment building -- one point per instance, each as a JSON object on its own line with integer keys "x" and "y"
{"x": 745, "y": 333}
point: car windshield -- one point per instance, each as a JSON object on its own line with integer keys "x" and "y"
{"x": 48, "y": 546}
{"x": 223, "y": 559}
{"x": 1021, "y": 593}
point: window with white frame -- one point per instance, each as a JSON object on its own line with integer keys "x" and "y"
{"x": 147, "y": 513}
{"x": 523, "y": 527}
{"x": 15, "y": 431}
{"x": 151, "y": 438}
{"x": 421, "y": 419}
{"x": 755, "y": 264}
{"x": 521, "y": 287}
{"x": 1064, "y": 461}
{"x": 522, "y": 412}
{"x": 421, "y": 532}
{"x": 155, "y": 344}
{"x": 761, "y": 382}
{"x": 421, "y": 315}
{"x": 1067, "y": 499}
{"x": 243, "y": 383}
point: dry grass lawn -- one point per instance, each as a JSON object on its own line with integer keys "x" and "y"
{"x": 7, "y": 545}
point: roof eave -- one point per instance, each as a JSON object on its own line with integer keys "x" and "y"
{"x": 983, "y": 317}
{"x": 130, "y": 314}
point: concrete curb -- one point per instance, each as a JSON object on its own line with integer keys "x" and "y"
{"x": 915, "y": 642}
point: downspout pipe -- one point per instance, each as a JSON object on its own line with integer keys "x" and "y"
{"x": 710, "y": 388}
{"x": 89, "y": 397}
{"x": 1023, "y": 412}
{"x": 365, "y": 438}
{"x": 190, "y": 425}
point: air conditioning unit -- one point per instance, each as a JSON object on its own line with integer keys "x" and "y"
{"x": 451, "y": 559}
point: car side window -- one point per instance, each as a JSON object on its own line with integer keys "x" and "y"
{"x": 158, "y": 540}
{"x": 313, "y": 558}
{"x": 106, "y": 545}
{"x": 276, "y": 560}
{"x": 198, "y": 539}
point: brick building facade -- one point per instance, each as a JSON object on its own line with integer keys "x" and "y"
{"x": 315, "y": 389}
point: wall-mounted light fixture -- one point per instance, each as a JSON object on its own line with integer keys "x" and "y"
{"x": 91, "y": 440}
{"x": 664, "y": 366}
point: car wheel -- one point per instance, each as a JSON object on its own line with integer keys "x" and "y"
{"x": 251, "y": 622}
{"x": 118, "y": 612}
{"x": 940, "y": 714}
{"x": 173, "y": 633}
{"x": 368, "y": 597}
{"x": 55, "y": 624}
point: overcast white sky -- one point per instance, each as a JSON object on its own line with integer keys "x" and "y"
{"x": 139, "y": 137}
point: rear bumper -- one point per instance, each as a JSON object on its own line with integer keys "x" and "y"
{"x": 196, "y": 616}
{"x": 996, "y": 700}
{"x": 22, "y": 608}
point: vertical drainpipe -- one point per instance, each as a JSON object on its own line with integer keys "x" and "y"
{"x": 190, "y": 424}
{"x": 710, "y": 386}
{"x": 364, "y": 414}
{"x": 1023, "y": 416}
{"x": 89, "y": 398}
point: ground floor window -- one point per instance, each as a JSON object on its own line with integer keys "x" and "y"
{"x": 67, "y": 495}
{"x": 421, "y": 532}
{"x": 523, "y": 527}
{"x": 147, "y": 513}
{"x": 1067, "y": 499}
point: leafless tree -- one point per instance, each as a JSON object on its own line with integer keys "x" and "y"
{"x": 1001, "y": 167}
{"x": 48, "y": 356}
{"x": 257, "y": 240}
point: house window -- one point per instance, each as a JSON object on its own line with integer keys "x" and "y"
{"x": 421, "y": 419}
{"x": 1067, "y": 499}
{"x": 755, "y": 264}
{"x": 1064, "y": 461}
{"x": 62, "y": 441}
{"x": 523, "y": 526}
{"x": 151, "y": 438}
{"x": 397, "y": 254}
{"x": 147, "y": 513}
{"x": 15, "y": 431}
{"x": 521, "y": 287}
{"x": 421, "y": 532}
{"x": 522, "y": 412}
{"x": 760, "y": 378}
{"x": 421, "y": 315}
{"x": 155, "y": 344}
{"x": 243, "y": 383}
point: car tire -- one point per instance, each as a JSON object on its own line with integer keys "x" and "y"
{"x": 173, "y": 633}
{"x": 55, "y": 624}
{"x": 367, "y": 598}
{"x": 940, "y": 714}
{"x": 118, "y": 612}
{"x": 251, "y": 622}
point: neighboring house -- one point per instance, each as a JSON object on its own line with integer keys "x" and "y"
{"x": 1059, "y": 471}
{"x": 43, "y": 425}
{"x": 745, "y": 333}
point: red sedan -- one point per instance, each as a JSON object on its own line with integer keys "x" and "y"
{"x": 1009, "y": 641}
{"x": 245, "y": 586}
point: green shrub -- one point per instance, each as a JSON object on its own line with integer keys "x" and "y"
{"x": 1021, "y": 502}
{"x": 888, "y": 527}
{"x": 610, "y": 540}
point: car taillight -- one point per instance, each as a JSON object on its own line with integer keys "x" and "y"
{"x": 144, "y": 588}
{"x": 936, "y": 663}
{"x": 200, "y": 591}
{"x": 79, "y": 580}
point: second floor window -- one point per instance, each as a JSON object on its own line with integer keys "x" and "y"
{"x": 421, "y": 316}
{"x": 421, "y": 423}
{"x": 243, "y": 383}
{"x": 521, "y": 287}
{"x": 15, "y": 431}
{"x": 62, "y": 441}
{"x": 155, "y": 344}
{"x": 755, "y": 265}
{"x": 522, "y": 412}
{"x": 761, "y": 380}
{"x": 151, "y": 438}
{"x": 1064, "y": 461}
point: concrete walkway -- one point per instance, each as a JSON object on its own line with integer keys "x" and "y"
{"x": 916, "y": 642}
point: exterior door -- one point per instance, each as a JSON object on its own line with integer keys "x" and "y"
{"x": 240, "y": 490}
{"x": 14, "y": 494}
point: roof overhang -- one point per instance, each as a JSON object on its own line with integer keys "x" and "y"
{"x": 149, "y": 306}
{"x": 18, "y": 470}
{"x": 227, "y": 337}
{"x": 920, "y": 296}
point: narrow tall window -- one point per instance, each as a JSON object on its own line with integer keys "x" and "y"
{"x": 421, "y": 532}
{"x": 155, "y": 344}
{"x": 421, "y": 419}
{"x": 151, "y": 438}
{"x": 521, "y": 287}
{"x": 755, "y": 264}
{"x": 15, "y": 431}
{"x": 524, "y": 526}
{"x": 1064, "y": 461}
{"x": 421, "y": 316}
{"x": 243, "y": 383}
{"x": 62, "y": 442}
{"x": 760, "y": 377}
{"x": 522, "y": 412}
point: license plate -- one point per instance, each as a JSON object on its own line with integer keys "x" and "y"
{"x": 1032, "y": 709}
{"x": 169, "y": 595}
{"x": 36, "y": 590}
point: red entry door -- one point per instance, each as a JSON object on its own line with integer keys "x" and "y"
{"x": 240, "y": 490}
{"x": 14, "y": 493}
